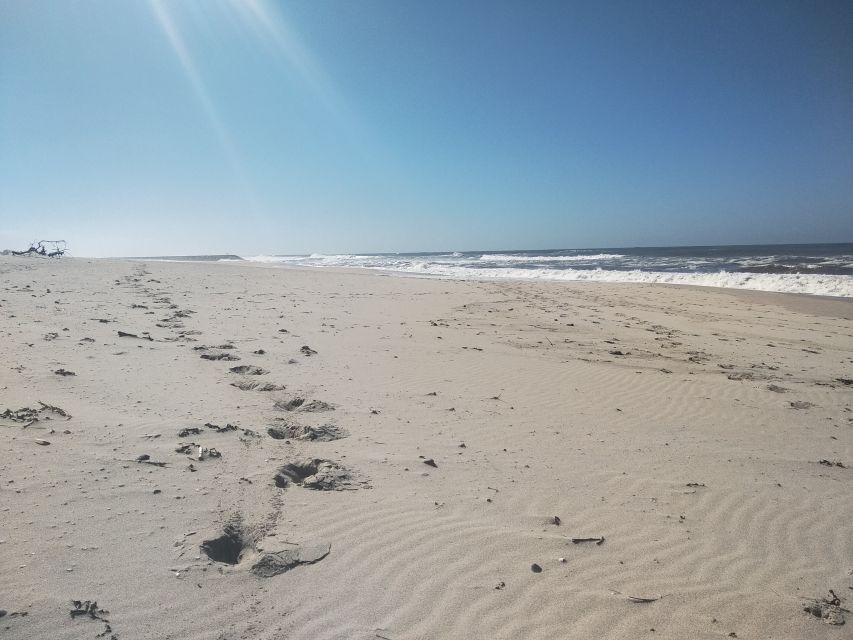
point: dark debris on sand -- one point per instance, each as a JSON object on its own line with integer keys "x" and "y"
{"x": 221, "y": 429}
{"x": 827, "y": 609}
{"x": 125, "y": 334}
{"x": 89, "y": 609}
{"x": 278, "y": 562}
{"x": 832, "y": 463}
{"x": 28, "y": 415}
{"x": 801, "y": 404}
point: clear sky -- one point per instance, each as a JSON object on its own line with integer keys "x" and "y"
{"x": 141, "y": 127}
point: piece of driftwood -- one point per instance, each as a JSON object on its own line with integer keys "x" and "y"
{"x": 125, "y": 334}
{"x": 50, "y": 407}
{"x": 46, "y": 248}
{"x": 144, "y": 459}
{"x": 598, "y": 541}
{"x": 638, "y": 599}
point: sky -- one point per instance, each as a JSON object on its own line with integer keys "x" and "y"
{"x": 176, "y": 127}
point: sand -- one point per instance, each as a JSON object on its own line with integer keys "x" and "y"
{"x": 400, "y": 452}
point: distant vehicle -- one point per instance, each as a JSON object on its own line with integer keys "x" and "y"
{"x": 47, "y": 248}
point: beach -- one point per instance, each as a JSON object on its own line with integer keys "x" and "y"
{"x": 244, "y": 450}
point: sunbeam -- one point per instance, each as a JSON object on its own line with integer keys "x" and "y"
{"x": 176, "y": 41}
{"x": 271, "y": 25}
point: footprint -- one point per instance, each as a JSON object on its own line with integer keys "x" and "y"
{"x": 318, "y": 474}
{"x": 230, "y": 547}
{"x": 249, "y": 370}
{"x": 237, "y": 545}
{"x": 251, "y": 385}
{"x": 320, "y": 433}
{"x": 299, "y": 404}
{"x": 219, "y": 356}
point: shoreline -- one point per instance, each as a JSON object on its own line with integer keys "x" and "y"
{"x": 824, "y": 270}
{"x": 407, "y": 274}
{"x": 816, "y": 304}
{"x": 833, "y": 306}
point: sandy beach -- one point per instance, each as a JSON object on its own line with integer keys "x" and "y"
{"x": 227, "y": 450}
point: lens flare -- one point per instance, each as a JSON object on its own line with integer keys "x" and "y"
{"x": 176, "y": 41}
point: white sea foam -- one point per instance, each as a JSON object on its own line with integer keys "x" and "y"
{"x": 275, "y": 259}
{"x": 501, "y": 257}
{"x": 468, "y": 268}
{"x": 824, "y": 285}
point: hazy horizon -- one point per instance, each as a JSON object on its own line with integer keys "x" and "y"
{"x": 504, "y": 249}
{"x": 447, "y": 251}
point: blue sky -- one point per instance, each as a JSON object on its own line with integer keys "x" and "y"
{"x": 140, "y": 127}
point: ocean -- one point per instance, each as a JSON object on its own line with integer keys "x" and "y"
{"x": 817, "y": 269}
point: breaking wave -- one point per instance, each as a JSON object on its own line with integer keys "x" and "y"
{"x": 825, "y": 270}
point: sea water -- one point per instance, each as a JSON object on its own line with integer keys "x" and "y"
{"x": 819, "y": 269}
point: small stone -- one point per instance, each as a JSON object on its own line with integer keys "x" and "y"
{"x": 535, "y": 568}
{"x": 562, "y": 560}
